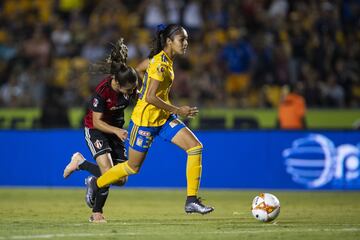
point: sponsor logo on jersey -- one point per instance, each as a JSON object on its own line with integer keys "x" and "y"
{"x": 144, "y": 133}
{"x": 95, "y": 102}
{"x": 98, "y": 144}
{"x": 117, "y": 107}
{"x": 173, "y": 123}
{"x": 108, "y": 100}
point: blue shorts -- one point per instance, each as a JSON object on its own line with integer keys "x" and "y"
{"x": 140, "y": 138}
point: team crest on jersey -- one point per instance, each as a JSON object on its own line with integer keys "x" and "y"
{"x": 95, "y": 102}
{"x": 98, "y": 144}
{"x": 139, "y": 142}
{"x": 160, "y": 68}
{"x": 144, "y": 133}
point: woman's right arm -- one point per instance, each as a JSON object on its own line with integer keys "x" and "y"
{"x": 107, "y": 128}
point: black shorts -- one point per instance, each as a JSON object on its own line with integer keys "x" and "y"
{"x": 100, "y": 143}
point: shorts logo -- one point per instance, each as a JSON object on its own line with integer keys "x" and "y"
{"x": 98, "y": 144}
{"x": 95, "y": 102}
{"x": 139, "y": 142}
{"x": 144, "y": 133}
{"x": 173, "y": 123}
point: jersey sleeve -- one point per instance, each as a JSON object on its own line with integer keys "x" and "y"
{"x": 157, "y": 71}
{"x": 97, "y": 103}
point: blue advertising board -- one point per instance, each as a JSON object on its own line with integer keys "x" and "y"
{"x": 231, "y": 159}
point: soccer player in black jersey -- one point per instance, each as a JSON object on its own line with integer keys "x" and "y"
{"x": 103, "y": 124}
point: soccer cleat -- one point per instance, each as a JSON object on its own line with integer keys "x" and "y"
{"x": 196, "y": 206}
{"x": 90, "y": 194}
{"x": 76, "y": 159}
{"x": 97, "y": 217}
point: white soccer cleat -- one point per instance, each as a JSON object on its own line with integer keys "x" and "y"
{"x": 97, "y": 217}
{"x": 76, "y": 159}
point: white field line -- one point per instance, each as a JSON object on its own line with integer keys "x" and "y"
{"x": 257, "y": 231}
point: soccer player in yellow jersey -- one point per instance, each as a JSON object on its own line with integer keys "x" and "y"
{"x": 154, "y": 115}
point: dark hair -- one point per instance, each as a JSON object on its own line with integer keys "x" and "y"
{"x": 124, "y": 74}
{"x": 162, "y": 33}
{"x": 115, "y": 64}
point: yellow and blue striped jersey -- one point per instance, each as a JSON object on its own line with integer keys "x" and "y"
{"x": 159, "y": 69}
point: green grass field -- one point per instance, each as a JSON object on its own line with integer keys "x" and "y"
{"x": 158, "y": 214}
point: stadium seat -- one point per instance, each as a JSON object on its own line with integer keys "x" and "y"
{"x": 245, "y": 123}
{"x": 208, "y": 123}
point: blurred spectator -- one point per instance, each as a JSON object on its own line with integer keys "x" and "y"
{"x": 292, "y": 109}
{"x": 93, "y": 50}
{"x": 61, "y": 37}
{"x": 192, "y": 15}
{"x": 332, "y": 92}
{"x": 154, "y": 13}
{"x": 173, "y": 10}
{"x": 54, "y": 110}
{"x": 237, "y": 58}
{"x": 242, "y": 52}
{"x": 11, "y": 93}
{"x": 37, "y": 49}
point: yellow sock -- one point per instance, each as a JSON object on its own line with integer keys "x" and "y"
{"x": 114, "y": 174}
{"x": 193, "y": 170}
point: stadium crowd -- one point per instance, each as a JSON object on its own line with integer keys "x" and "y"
{"x": 240, "y": 51}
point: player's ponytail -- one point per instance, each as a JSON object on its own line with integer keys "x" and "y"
{"x": 115, "y": 64}
{"x": 117, "y": 57}
{"x": 162, "y": 33}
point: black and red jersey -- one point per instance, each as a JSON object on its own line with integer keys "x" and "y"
{"x": 108, "y": 102}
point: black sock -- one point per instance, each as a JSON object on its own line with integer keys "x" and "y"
{"x": 191, "y": 199}
{"x": 91, "y": 168}
{"x": 101, "y": 197}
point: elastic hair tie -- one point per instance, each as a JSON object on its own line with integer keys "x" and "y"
{"x": 160, "y": 27}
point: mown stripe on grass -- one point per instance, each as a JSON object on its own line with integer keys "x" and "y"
{"x": 257, "y": 231}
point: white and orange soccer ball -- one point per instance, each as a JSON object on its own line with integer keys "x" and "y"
{"x": 265, "y": 207}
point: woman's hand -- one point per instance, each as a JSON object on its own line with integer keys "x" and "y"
{"x": 121, "y": 134}
{"x": 186, "y": 111}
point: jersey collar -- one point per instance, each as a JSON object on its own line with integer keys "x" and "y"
{"x": 167, "y": 57}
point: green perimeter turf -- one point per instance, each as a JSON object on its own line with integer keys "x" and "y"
{"x": 158, "y": 214}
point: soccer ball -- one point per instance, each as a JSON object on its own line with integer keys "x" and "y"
{"x": 265, "y": 207}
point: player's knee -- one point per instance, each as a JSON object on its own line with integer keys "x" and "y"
{"x": 195, "y": 149}
{"x": 197, "y": 145}
{"x": 135, "y": 168}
